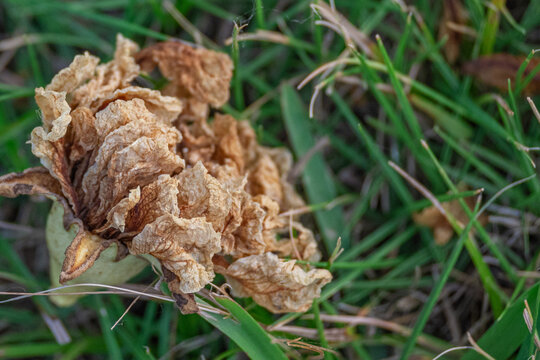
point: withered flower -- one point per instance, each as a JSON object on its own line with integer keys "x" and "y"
{"x": 442, "y": 230}
{"x": 143, "y": 169}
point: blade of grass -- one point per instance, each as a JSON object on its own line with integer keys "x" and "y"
{"x": 316, "y": 177}
{"x": 436, "y": 292}
{"x": 509, "y": 332}
{"x": 244, "y": 331}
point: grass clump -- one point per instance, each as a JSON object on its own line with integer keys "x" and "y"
{"x": 402, "y": 128}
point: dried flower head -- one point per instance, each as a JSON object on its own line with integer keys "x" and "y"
{"x": 144, "y": 169}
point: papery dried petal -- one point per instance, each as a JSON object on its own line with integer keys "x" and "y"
{"x": 201, "y": 195}
{"x": 248, "y": 237}
{"x": 229, "y": 149}
{"x": 303, "y": 243}
{"x": 283, "y": 160}
{"x": 132, "y": 155}
{"x": 81, "y": 254}
{"x": 434, "y": 219}
{"x": 193, "y": 73}
{"x": 54, "y": 114}
{"x": 32, "y": 181}
{"x": 184, "y": 246}
{"x": 280, "y": 286}
{"x": 116, "y": 217}
{"x": 166, "y": 108}
{"x": 80, "y": 70}
{"x": 156, "y": 199}
{"x": 495, "y": 70}
{"x": 116, "y": 74}
{"x": 84, "y": 136}
{"x": 264, "y": 179}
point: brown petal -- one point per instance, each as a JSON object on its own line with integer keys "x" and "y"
{"x": 166, "y": 108}
{"x": 84, "y": 136}
{"x": 155, "y": 199}
{"x": 304, "y": 242}
{"x": 453, "y": 12}
{"x": 81, "y": 254}
{"x": 68, "y": 79}
{"x": 185, "y": 302}
{"x": 229, "y": 149}
{"x": 248, "y": 237}
{"x": 495, "y": 70}
{"x": 264, "y": 179}
{"x": 193, "y": 73}
{"x": 54, "y": 114}
{"x": 442, "y": 230}
{"x": 184, "y": 246}
{"x": 116, "y": 74}
{"x": 280, "y": 286}
{"x": 202, "y": 195}
{"x": 33, "y": 181}
{"x": 283, "y": 160}
{"x": 36, "y": 181}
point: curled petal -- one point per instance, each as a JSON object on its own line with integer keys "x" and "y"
{"x": 33, "y": 181}
{"x": 264, "y": 179}
{"x": 116, "y": 217}
{"x": 83, "y": 133}
{"x": 116, "y": 74}
{"x": 303, "y": 243}
{"x": 202, "y": 195}
{"x": 81, "y": 254}
{"x": 185, "y": 247}
{"x": 166, "y": 108}
{"x": 54, "y": 114}
{"x": 282, "y": 158}
{"x": 156, "y": 199}
{"x": 193, "y": 73}
{"x": 80, "y": 70}
{"x": 278, "y": 285}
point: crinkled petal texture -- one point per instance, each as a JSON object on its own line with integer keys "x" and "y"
{"x": 280, "y": 286}
{"x": 144, "y": 169}
{"x": 184, "y": 246}
{"x": 199, "y": 76}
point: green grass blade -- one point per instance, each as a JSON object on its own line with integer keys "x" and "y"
{"x": 316, "y": 177}
{"x": 510, "y": 331}
{"x": 244, "y": 331}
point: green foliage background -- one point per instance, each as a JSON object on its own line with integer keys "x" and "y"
{"x": 372, "y": 110}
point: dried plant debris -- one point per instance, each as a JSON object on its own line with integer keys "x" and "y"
{"x": 442, "y": 230}
{"x": 453, "y": 15}
{"x": 495, "y": 70}
{"x": 144, "y": 169}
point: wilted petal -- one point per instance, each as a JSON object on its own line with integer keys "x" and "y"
{"x": 193, "y": 73}
{"x": 442, "y": 230}
{"x": 202, "y": 195}
{"x": 248, "y": 237}
{"x": 278, "y": 285}
{"x": 81, "y": 254}
{"x": 264, "y": 179}
{"x": 54, "y": 114}
{"x": 166, "y": 108}
{"x": 116, "y": 74}
{"x": 84, "y": 136}
{"x": 229, "y": 149}
{"x": 116, "y": 217}
{"x": 495, "y": 70}
{"x": 156, "y": 199}
{"x": 283, "y": 160}
{"x": 184, "y": 246}
{"x": 80, "y": 70}
{"x": 303, "y": 241}
{"x": 33, "y": 181}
